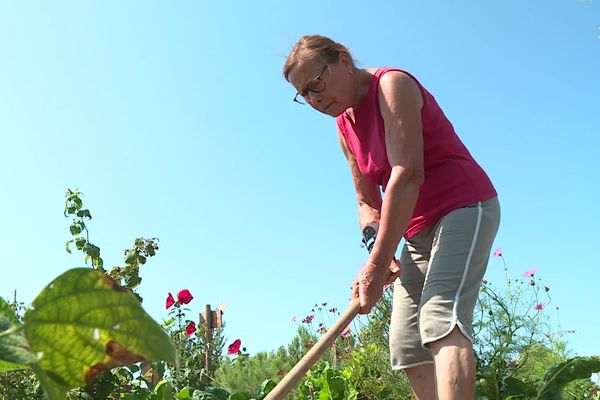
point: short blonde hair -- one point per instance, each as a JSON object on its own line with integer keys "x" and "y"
{"x": 311, "y": 47}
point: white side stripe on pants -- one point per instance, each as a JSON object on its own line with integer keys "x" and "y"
{"x": 468, "y": 262}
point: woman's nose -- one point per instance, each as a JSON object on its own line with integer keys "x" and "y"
{"x": 314, "y": 98}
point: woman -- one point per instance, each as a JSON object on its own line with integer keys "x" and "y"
{"x": 397, "y": 140}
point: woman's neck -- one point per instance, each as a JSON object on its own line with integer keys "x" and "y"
{"x": 362, "y": 83}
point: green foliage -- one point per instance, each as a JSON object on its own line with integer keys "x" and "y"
{"x": 368, "y": 370}
{"x": 74, "y": 208}
{"x": 87, "y": 330}
{"x": 561, "y": 374}
{"x": 519, "y": 354}
{"x": 217, "y": 393}
{"x": 323, "y": 382}
{"x": 127, "y": 276}
{"x": 245, "y": 373}
{"x": 83, "y": 323}
{"x": 191, "y": 352}
{"x": 13, "y": 347}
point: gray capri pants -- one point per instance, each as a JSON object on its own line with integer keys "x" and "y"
{"x": 442, "y": 269}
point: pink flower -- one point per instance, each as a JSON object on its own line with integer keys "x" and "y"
{"x": 498, "y": 252}
{"x": 530, "y": 273}
{"x": 191, "y": 328}
{"x": 184, "y": 296}
{"x": 234, "y": 347}
{"x": 170, "y": 301}
{"x": 294, "y": 319}
{"x": 308, "y": 319}
{"x": 346, "y": 332}
{"x": 333, "y": 310}
{"x": 538, "y": 307}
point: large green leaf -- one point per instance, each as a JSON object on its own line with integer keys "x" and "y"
{"x": 83, "y": 323}
{"x": 163, "y": 391}
{"x": 265, "y": 387}
{"x": 185, "y": 393}
{"x": 54, "y": 388}
{"x": 13, "y": 347}
{"x": 515, "y": 388}
{"x": 218, "y": 392}
{"x": 211, "y": 393}
{"x": 240, "y": 396}
{"x": 561, "y": 374}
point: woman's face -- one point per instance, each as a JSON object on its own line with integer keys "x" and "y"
{"x": 325, "y": 86}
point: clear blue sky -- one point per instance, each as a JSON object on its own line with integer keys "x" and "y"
{"x": 175, "y": 122}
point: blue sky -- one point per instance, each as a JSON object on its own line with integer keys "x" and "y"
{"x": 174, "y": 121}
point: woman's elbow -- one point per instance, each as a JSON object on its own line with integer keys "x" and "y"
{"x": 409, "y": 175}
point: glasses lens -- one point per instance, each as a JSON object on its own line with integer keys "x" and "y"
{"x": 299, "y": 99}
{"x": 316, "y": 86}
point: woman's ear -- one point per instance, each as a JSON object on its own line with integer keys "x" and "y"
{"x": 346, "y": 61}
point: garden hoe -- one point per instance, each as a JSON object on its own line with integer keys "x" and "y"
{"x": 291, "y": 379}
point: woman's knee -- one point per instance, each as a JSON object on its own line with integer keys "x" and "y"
{"x": 455, "y": 339}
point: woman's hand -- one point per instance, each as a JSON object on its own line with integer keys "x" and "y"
{"x": 370, "y": 281}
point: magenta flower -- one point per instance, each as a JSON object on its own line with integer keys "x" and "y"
{"x": 191, "y": 328}
{"x": 308, "y": 319}
{"x": 530, "y": 273}
{"x": 538, "y": 307}
{"x": 184, "y": 296}
{"x": 498, "y": 252}
{"x": 234, "y": 347}
{"x": 170, "y": 301}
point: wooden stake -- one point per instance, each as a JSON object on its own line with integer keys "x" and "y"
{"x": 209, "y": 328}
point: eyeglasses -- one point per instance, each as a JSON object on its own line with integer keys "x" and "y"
{"x": 316, "y": 85}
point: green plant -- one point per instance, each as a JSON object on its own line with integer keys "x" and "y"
{"x": 519, "y": 354}
{"x": 127, "y": 276}
{"x": 325, "y": 382}
{"x": 193, "y": 342}
{"x": 82, "y": 324}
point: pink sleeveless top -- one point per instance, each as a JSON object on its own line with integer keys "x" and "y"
{"x": 453, "y": 179}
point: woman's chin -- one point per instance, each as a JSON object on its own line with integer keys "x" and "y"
{"x": 332, "y": 110}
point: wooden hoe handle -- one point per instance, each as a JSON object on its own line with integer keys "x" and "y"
{"x": 291, "y": 379}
